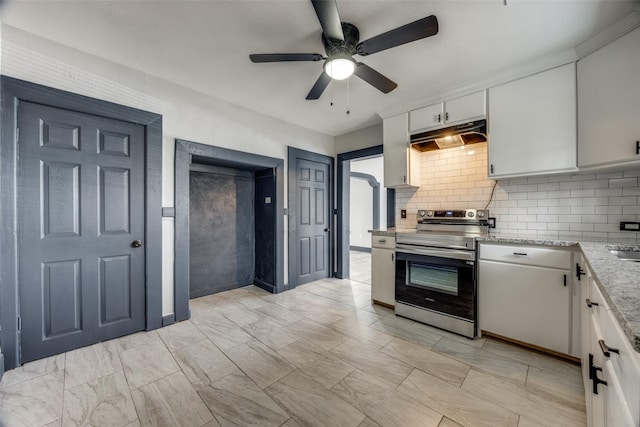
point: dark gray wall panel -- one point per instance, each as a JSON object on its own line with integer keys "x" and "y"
{"x": 265, "y": 207}
{"x": 115, "y": 289}
{"x": 62, "y": 299}
{"x": 221, "y": 226}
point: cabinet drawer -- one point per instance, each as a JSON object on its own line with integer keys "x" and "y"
{"x": 383, "y": 242}
{"x": 599, "y": 305}
{"x": 527, "y": 255}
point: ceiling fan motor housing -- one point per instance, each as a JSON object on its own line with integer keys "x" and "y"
{"x": 342, "y": 48}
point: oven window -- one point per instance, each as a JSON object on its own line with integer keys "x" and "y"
{"x": 436, "y": 278}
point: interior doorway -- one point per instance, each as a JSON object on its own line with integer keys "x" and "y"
{"x": 363, "y": 204}
{"x": 229, "y": 222}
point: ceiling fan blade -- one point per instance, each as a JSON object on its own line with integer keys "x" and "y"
{"x": 327, "y": 11}
{"x": 320, "y": 86}
{"x": 374, "y": 78}
{"x": 283, "y": 57}
{"x": 413, "y": 31}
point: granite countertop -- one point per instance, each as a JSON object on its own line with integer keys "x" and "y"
{"x": 618, "y": 280}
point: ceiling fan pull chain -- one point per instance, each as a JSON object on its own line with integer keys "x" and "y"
{"x": 348, "y": 98}
{"x": 332, "y": 95}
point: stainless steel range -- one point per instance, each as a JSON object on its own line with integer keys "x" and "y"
{"x": 436, "y": 269}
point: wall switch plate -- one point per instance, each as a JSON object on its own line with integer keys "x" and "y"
{"x": 629, "y": 226}
{"x": 403, "y": 213}
{"x": 267, "y": 200}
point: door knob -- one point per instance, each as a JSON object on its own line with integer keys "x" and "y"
{"x": 136, "y": 243}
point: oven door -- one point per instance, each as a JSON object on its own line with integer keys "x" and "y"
{"x": 438, "y": 283}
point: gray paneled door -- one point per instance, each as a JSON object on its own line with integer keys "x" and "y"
{"x": 312, "y": 221}
{"x": 81, "y": 226}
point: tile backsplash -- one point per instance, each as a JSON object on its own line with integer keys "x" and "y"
{"x": 578, "y": 206}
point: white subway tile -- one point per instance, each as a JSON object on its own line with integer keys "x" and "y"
{"x": 548, "y": 202}
{"x": 609, "y": 210}
{"x": 570, "y": 218}
{"x": 608, "y": 228}
{"x": 564, "y": 226}
{"x": 616, "y": 219}
{"x": 563, "y": 210}
{"x": 623, "y": 201}
{"x": 608, "y": 192}
{"x": 536, "y": 225}
{"x": 623, "y": 182}
{"x": 561, "y": 194}
{"x": 631, "y": 191}
{"x": 594, "y": 219}
{"x": 574, "y": 226}
{"x": 571, "y": 185}
{"x": 583, "y": 193}
{"x": 548, "y": 218}
{"x": 595, "y": 201}
{"x": 598, "y": 183}
{"x": 549, "y": 186}
{"x": 631, "y": 210}
{"x": 536, "y": 210}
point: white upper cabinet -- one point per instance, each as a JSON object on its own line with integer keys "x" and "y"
{"x": 401, "y": 163}
{"x": 457, "y": 110}
{"x": 532, "y": 124}
{"x": 609, "y": 104}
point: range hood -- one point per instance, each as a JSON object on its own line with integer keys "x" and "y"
{"x": 453, "y": 136}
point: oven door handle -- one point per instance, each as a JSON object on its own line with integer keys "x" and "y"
{"x": 441, "y": 253}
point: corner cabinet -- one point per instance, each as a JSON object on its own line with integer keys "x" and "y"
{"x": 609, "y": 104}
{"x": 532, "y": 124}
{"x": 401, "y": 163}
{"x": 458, "y": 110}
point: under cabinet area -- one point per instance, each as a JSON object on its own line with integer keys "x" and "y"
{"x": 465, "y": 108}
{"x": 383, "y": 268}
{"x": 532, "y": 124}
{"x": 610, "y": 366}
{"x": 525, "y": 294}
{"x": 401, "y": 163}
{"x": 609, "y": 104}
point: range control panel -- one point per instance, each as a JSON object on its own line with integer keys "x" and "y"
{"x": 453, "y": 214}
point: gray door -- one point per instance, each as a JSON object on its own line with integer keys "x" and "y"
{"x": 81, "y": 226}
{"x": 312, "y": 244}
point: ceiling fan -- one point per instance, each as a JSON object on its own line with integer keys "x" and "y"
{"x": 341, "y": 42}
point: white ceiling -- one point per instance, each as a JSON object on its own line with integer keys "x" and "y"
{"x": 205, "y": 45}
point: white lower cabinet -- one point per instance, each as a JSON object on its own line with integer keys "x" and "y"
{"x": 611, "y": 367}
{"x": 525, "y": 294}
{"x": 383, "y": 269}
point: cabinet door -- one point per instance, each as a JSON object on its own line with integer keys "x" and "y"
{"x": 609, "y": 103}
{"x": 598, "y": 411}
{"x": 529, "y": 304}
{"x": 617, "y": 410}
{"x": 532, "y": 127}
{"x": 466, "y": 108}
{"x": 399, "y": 159}
{"x": 383, "y": 268}
{"x": 431, "y": 116}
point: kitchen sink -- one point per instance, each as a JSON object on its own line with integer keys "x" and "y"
{"x": 626, "y": 255}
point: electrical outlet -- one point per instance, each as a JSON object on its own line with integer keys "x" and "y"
{"x": 492, "y": 222}
{"x": 629, "y": 226}
{"x": 403, "y": 213}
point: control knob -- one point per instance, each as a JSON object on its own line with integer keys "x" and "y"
{"x": 470, "y": 214}
{"x": 481, "y": 214}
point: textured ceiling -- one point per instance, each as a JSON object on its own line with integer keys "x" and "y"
{"x": 204, "y": 45}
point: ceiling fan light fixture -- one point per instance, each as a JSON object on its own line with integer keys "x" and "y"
{"x": 339, "y": 68}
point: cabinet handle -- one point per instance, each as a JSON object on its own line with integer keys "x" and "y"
{"x": 590, "y": 303}
{"x": 606, "y": 350}
{"x": 382, "y": 241}
{"x": 404, "y": 178}
{"x": 519, "y": 254}
{"x": 491, "y": 168}
{"x": 593, "y": 375}
{"x": 579, "y": 271}
{"x": 446, "y": 116}
{"x": 393, "y": 257}
{"x": 439, "y": 118}
{"x": 565, "y": 280}
{"x": 637, "y": 147}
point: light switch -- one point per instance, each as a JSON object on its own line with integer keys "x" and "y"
{"x": 267, "y": 200}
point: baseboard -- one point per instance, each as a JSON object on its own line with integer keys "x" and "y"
{"x": 534, "y": 347}
{"x": 264, "y": 285}
{"x": 360, "y": 249}
{"x": 169, "y": 319}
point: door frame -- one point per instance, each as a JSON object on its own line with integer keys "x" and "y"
{"x": 13, "y": 92}
{"x": 292, "y": 155}
{"x": 185, "y": 153}
{"x": 343, "y": 243}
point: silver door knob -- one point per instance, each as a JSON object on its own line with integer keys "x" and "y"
{"x": 136, "y": 243}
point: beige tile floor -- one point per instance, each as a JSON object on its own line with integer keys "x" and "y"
{"x": 319, "y": 355}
